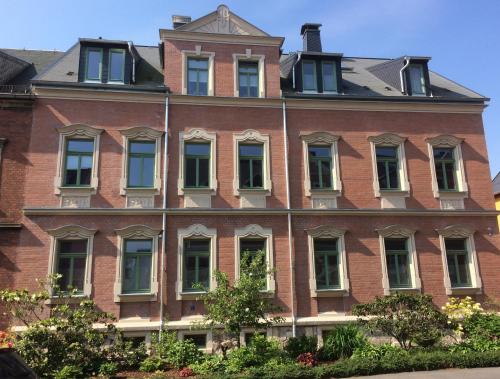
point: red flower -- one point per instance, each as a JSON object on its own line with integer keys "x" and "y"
{"x": 307, "y": 359}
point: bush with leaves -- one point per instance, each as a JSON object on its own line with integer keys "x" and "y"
{"x": 406, "y": 317}
{"x": 295, "y": 346}
{"x": 69, "y": 372}
{"x": 165, "y": 347}
{"x": 378, "y": 352}
{"x": 108, "y": 369}
{"x": 341, "y": 342}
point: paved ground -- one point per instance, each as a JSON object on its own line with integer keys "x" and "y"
{"x": 471, "y": 373}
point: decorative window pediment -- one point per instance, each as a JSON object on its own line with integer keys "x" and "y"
{"x": 387, "y": 139}
{"x": 325, "y": 231}
{"x": 72, "y": 231}
{"x": 138, "y": 231}
{"x": 456, "y": 231}
{"x": 445, "y": 141}
{"x": 396, "y": 231}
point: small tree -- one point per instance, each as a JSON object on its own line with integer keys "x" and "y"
{"x": 407, "y": 318}
{"x": 242, "y": 304}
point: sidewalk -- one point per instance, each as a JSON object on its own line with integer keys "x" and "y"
{"x": 469, "y": 373}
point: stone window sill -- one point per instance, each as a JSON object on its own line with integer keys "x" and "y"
{"x": 388, "y": 193}
{"x": 201, "y": 191}
{"x": 464, "y": 291}
{"x": 76, "y": 299}
{"x": 452, "y": 194}
{"x": 410, "y": 290}
{"x": 254, "y": 191}
{"x": 337, "y": 292}
{"x": 134, "y": 297}
{"x": 190, "y": 295}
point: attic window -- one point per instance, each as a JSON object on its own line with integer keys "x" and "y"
{"x": 93, "y": 65}
{"x": 116, "y": 65}
{"x": 417, "y": 80}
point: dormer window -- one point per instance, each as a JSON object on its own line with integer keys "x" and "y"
{"x": 309, "y": 82}
{"x": 417, "y": 80}
{"x": 116, "y": 65}
{"x": 329, "y": 71}
{"x": 93, "y": 67}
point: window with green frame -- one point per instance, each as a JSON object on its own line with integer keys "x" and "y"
{"x": 79, "y": 156}
{"x": 249, "y": 247}
{"x": 398, "y": 262}
{"x": 458, "y": 262}
{"x": 329, "y": 71}
{"x": 309, "y": 81}
{"x": 71, "y": 263}
{"x": 196, "y": 265}
{"x": 326, "y": 263}
{"x": 197, "y": 165}
{"x": 93, "y": 64}
{"x": 320, "y": 166}
{"x": 197, "y": 78}
{"x": 388, "y": 167}
{"x": 137, "y": 263}
{"x": 251, "y": 159}
{"x": 248, "y": 79}
{"x": 444, "y": 161}
{"x": 141, "y": 164}
{"x": 116, "y": 66}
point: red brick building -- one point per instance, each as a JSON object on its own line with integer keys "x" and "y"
{"x": 144, "y": 169}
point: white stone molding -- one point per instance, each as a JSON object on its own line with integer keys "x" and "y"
{"x": 328, "y": 231}
{"x": 75, "y": 197}
{"x": 460, "y": 232}
{"x": 250, "y": 198}
{"x": 249, "y": 57}
{"x": 255, "y": 231}
{"x": 140, "y": 197}
{"x": 195, "y": 231}
{"x": 197, "y": 197}
{"x": 322, "y": 199}
{"x": 399, "y": 231}
{"x": 198, "y": 53}
{"x": 395, "y": 199}
{"x": 449, "y": 199}
{"x": 73, "y": 232}
{"x": 139, "y": 232}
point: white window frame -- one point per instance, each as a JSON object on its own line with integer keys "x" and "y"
{"x": 328, "y": 231}
{"x": 141, "y": 197}
{"x": 321, "y": 198}
{"x": 462, "y": 232}
{"x": 72, "y": 232}
{"x": 197, "y": 53}
{"x": 76, "y": 197}
{"x": 449, "y": 199}
{"x": 195, "y": 231}
{"x": 255, "y": 231}
{"x": 399, "y": 231}
{"x": 136, "y": 232}
{"x": 249, "y": 57}
{"x": 197, "y": 197}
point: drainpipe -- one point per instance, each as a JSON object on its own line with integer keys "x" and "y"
{"x": 133, "y": 60}
{"x": 164, "y": 215}
{"x": 401, "y": 74}
{"x": 289, "y": 219}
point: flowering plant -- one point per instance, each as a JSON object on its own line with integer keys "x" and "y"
{"x": 307, "y": 359}
{"x": 459, "y": 310}
{"x": 6, "y": 340}
{"x": 186, "y": 372}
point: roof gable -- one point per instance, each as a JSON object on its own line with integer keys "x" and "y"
{"x": 222, "y": 21}
{"x": 10, "y": 67}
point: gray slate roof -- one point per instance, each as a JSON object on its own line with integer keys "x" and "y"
{"x": 357, "y": 80}
{"x": 496, "y": 184}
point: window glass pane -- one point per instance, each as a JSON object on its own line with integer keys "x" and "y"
{"x": 393, "y": 174}
{"x": 452, "y": 269}
{"x": 81, "y": 146}
{"x": 64, "y": 269}
{"x": 251, "y": 150}
{"x": 93, "y": 64}
{"x": 309, "y": 75}
{"x": 463, "y": 269}
{"x": 329, "y": 76}
{"x": 325, "y": 245}
{"x": 200, "y": 340}
{"x": 252, "y": 245}
{"x": 395, "y": 244}
{"x": 116, "y": 65}
{"x": 198, "y": 63}
{"x": 204, "y": 269}
{"x": 382, "y": 176}
{"x": 138, "y": 246}
{"x": 450, "y": 175}
{"x": 386, "y": 152}
{"x": 320, "y": 270}
{"x": 442, "y": 153}
{"x": 148, "y": 172}
{"x": 197, "y": 148}
{"x": 197, "y": 245}
{"x": 85, "y": 170}
{"x": 245, "y": 173}
{"x": 440, "y": 172}
{"x": 457, "y": 244}
{"x": 190, "y": 172}
{"x": 320, "y": 151}
{"x": 203, "y": 171}
{"x": 257, "y": 173}
{"x": 326, "y": 173}
{"x": 392, "y": 269}
{"x": 314, "y": 173}
{"x": 202, "y": 88}
{"x": 403, "y": 269}
{"x": 79, "y": 272}
{"x": 417, "y": 79}
{"x": 333, "y": 271}
{"x": 72, "y": 246}
{"x": 142, "y": 147}
{"x": 129, "y": 273}
{"x": 189, "y": 271}
{"x": 71, "y": 170}
{"x": 145, "y": 272}
{"x": 134, "y": 171}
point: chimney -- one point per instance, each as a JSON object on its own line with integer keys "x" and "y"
{"x": 311, "y": 36}
{"x": 178, "y": 21}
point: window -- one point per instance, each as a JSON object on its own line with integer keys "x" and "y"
{"x": 116, "y": 65}
{"x": 397, "y": 256}
{"x": 387, "y": 167}
{"x": 320, "y": 166}
{"x": 71, "y": 263}
{"x": 196, "y": 264}
{"x": 417, "y": 80}
{"x": 197, "y": 165}
{"x": 249, "y": 248}
{"x": 251, "y": 165}
{"x": 141, "y": 164}
{"x": 197, "y": 76}
{"x": 137, "y": 266}
{"x": 309, "y": 82}
{"x": 326, "y": 263}
{"x": 78, "y": 162}
{"x": 200, "y": 340}
{"x": 93, "y": 66}
{"x": 248, "y": 78}
{"x": 458, "y": 262}
{"x": 329, "y": 76}
{"x": 444, "y": 162}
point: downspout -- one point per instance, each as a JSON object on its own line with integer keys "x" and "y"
{"x": 164, "y": 215}
{"x": 133, "y": 60}
{"x": 289, "y": 219}
{"x": 401, "y": 74}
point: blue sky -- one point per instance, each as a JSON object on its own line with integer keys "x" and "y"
{"x": 461, "y": 36}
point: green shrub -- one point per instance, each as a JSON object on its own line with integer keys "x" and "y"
{"x": 304, "y": 344}
{"x": 341, "y": 342}
{"x": 69, "y": 372}
{"x": 377, "y": 352}
{"x": 484, "y": 326}
{"x": 209, "y": 364}
{"x": 108, "y": 369}
{"x": 125, "y": 354}
{"x": 152, "y": 364}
